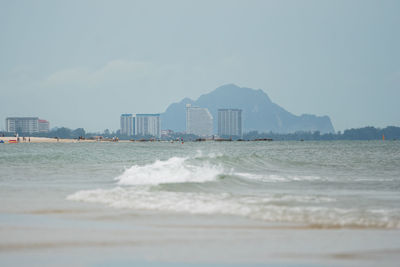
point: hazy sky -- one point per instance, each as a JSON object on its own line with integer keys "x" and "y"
{"x": 83, "y": 63}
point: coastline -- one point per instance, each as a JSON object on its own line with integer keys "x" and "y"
{"x": 10, "y": 140}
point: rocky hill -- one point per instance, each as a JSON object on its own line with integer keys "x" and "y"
{"x": 259, "y": 112}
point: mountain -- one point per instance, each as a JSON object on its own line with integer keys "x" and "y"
{"x": 259, "y": 112}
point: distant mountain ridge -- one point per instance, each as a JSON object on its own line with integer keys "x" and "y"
{"x": 259, "y": 112}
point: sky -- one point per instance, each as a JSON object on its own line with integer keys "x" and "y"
{"x": 83, "y": 63}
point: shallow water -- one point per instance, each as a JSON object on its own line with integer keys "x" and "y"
{"x": 347, "y": 186}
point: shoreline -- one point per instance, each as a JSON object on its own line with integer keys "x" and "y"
{"x": 132, "y": 236}
{"x": 11, "y": 140}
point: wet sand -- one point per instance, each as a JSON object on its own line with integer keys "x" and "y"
{"x": 126, "y": 238}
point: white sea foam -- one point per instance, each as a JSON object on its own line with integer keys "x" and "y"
{"x": 278, "y": 178}
{"x": 173, "y": 170}
{"x": 136, "y": 191}
{"x": 272, "y": 208}
{"x": 211, "y": 155}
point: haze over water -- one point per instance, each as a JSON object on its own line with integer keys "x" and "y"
{"x": 221, "y": 202}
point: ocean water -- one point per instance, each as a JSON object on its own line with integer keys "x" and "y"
{"x": 331, "y": 186}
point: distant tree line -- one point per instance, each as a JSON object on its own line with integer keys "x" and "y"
{"x": 366, "y": 133}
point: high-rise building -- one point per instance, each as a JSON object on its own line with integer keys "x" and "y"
{"x": 148, "y": 124}
{"x": 22, "y": 125}
{"x": 230, "y": 122}
{"x": 43, "y": 126}
{"x": 199, "y": 121}
{"x": 127, "y": 125}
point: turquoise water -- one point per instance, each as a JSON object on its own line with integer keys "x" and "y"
{"x": 317, "y": 184}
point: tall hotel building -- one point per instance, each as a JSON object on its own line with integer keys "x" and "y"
{"x": 148, "y": 124}
{"x": 127, "y": 125}
{"x": 230, "y": 122}
{"x": 199, "y": 121}
{"x": 27, "y": 125}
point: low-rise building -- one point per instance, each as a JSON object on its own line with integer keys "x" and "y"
{"x": 22, "y": 125}
{"x": 43, "y": 126}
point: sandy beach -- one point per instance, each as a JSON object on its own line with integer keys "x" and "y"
{"x": 8, "y": 140}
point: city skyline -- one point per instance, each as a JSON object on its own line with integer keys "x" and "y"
{"x": 335, "y": 58}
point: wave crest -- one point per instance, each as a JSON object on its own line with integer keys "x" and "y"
{"x": 173, "y": 170}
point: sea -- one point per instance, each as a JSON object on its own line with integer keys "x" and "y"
{"x": 255, "y": 203}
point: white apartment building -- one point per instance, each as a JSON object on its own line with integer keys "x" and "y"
{"x": 199, "y": 121}
{"x": 127, "y": 125}
{"x": 148, "y": 124}
{"x": 22, "y": 125}
{"x": 230, "y": 122}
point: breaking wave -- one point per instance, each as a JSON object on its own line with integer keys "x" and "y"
{"x": 249, "y": 187}
{"x": 173, "y": 170}
{"x": 199, "y": 169}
